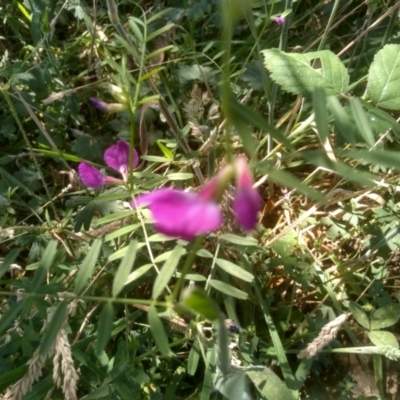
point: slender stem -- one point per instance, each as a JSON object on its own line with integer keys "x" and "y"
{"x": 113, "y": 15}
{"x": 186, "y": 268}
{"x": 328, "y": 26}
{"x": 389, "y": 29}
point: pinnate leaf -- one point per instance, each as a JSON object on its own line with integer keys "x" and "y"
{"x": 296, "y": 74}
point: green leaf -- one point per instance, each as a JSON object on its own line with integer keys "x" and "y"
{"x": 137, "y": 273}
{"x": 44, "y": 265}
{"x": 344, "y": 123}
{"x": 383, "y": 338}
{"x": 10, "y": 377}
{"x": 122, "y": 231}
{"x": 321, "y": 113}
{"x": 54, "y": 327}
{"x": 362, "y": 122}
{"x": 234, "y": 270}
{"x": 359, "y": 314}
{"x": 165, "y": 150}
{"x": 197, "y": 300}
{"x": 385, "y": 158}
{"x": 9, "y": 316}
{"x": 84, "y": 217}
{"x": 384, "y": 76}
{"x": 289, "y": 180}
{"x": 224, "y": 357}
{"x": 385, "y": 317}
{"x": 121, "y": 277}
{"x": 104, "y": 327}
{"x": 158, "y": 331}
{"x": 180, "y": 176}
{"x": 296, "y": 74}
{"x": 8, "y": 260}
{"x": 228, "y": 289}
{"x": 167, "y": 271}
{"x": 86, "y": 269}
{"x": 233, "y": 385}
{"x": 193, "y": 359}
{"x": 270, "y": 385}
{"x": 240, "y": 240}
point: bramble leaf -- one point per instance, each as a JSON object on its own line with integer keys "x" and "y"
{"x": 384, "y": 78}
{"x": 296, "y": 73}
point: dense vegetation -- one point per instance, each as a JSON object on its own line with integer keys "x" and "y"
{"x": 199, "y": 199}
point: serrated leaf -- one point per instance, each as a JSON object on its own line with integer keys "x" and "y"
{"x": 270, "y": 385}
{"x": 104, "y": 327}
{"x": 359, "y": 314}
{"x": 158, "y": 331}
{"x": 295, "y": 73}
{"x": 197, "y": 300}
{"x": 234, "y": 270}
{"x": 228, "y": 289}
{"x": 384, "y": 77}
{"x": 86, "y": 269}
{"x": 385, "y": 317}
{"x": 121, "y": 277}
{"x": 167, "y": 271}
{"x": 383, "y": 338}
{"x": 84, "y": 217}
{"x": 54, "y": 327}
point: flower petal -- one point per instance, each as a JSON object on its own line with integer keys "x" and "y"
{"x": 117, "y": 157}
{"x": 246, "y": 205}
{"x": 248, "y": 202}
{"x": 91, "y": 176}
{"x": 181, "y": 214}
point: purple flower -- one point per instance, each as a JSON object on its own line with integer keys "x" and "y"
{"x": 247, "y": 202}
{"x": 107, "y": 107}
{"x": 280, "y": 20}
{"x": 117, "y": 157}
{"x": 232, "y": 327}
{"x": 181, "y": 214}
{"x": 92, "y": 177}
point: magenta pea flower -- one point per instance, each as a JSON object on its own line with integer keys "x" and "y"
{"x": 92, "y": 177}
{"x": 184, "y": 214}
{"x": 181, "y": 214}
{"x": 107, "y": 107}
{"x": 116, "y": 157}
{"x": 247, "y": 202}
{"x": 280, "y": 20}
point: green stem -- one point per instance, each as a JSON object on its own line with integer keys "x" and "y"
{"x": 186, "y": 268}
{"x": 328, "y": 26}
{"x": 389, "y": 29}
